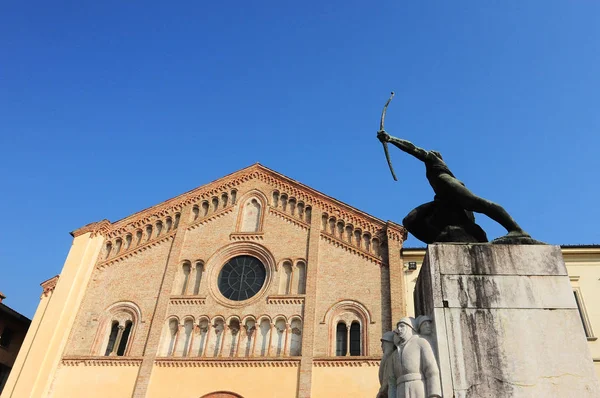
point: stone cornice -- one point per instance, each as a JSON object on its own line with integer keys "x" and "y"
{"x": 49, "y": 285}
{"x": 263, "y": 362}
{"x": 288, "y": 218}
{"x": 324, "y": 362}
{"x": 133, "y": 251}
{"x": 286, "y": 299}
{"x": 285, "y": 184}
{"x": 349, "y": 248}
{"x": 101, "y": 361}
{"x": 187, "y": 300}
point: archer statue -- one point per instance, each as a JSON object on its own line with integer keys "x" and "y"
{"x": 449, "y": 217}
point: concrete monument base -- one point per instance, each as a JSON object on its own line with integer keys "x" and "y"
{"x": 506, "y": 322}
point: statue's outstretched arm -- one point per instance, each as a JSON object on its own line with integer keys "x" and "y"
{"x": 408, "y": 147}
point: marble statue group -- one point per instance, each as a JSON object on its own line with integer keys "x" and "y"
{"x": 409, "y": 368}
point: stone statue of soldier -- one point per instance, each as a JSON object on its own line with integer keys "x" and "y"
{"x": 387, "y": 384}
{"x": 414, "y": 367}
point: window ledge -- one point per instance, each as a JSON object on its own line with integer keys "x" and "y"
{"x": 592, "y": 338}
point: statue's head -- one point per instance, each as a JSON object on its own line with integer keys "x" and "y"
{"x": 424, "y": 324}
{"x": 437, "y": 154}
{"x": 387, "y": 343}
{"x": 405, "y": 328}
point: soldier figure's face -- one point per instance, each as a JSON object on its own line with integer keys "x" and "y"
{"x": 404, "y": 331}
{"x": 425, "y": 328}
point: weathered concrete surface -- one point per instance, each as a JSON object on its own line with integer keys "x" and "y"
{"x": 506, "y": 322}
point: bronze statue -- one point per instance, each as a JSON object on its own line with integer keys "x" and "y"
{"x": 449, "y": 217}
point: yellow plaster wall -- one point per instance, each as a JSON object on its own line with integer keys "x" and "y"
{"x": 94, "y": 381}
{"x": 40, "y": 361}
{"x": 249, "y": 382}
{"x": 345, "y": 382}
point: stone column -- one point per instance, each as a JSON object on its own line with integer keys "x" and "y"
{"x": 506, "y": 322}
{"x": 309, "y": 317}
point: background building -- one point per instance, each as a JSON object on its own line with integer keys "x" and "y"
{"x": 253, "y": 285}
{"x": 13, "y": 327}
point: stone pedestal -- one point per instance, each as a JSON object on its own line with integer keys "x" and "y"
{"x": 506, "y": 322}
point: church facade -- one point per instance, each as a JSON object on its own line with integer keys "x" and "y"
{"x": 254, "y": 285}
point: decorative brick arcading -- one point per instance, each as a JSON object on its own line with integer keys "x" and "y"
{"x": 267, "y": 362}
{"x": 246, "y": 236}
{"x": 288, "y": 218}
{"x": 213, "y": 216}
{"x": 187, "y": 300}
{"x": 101, "y": 361}
{"x": 309, "y": 196}
{"x": 346, "y": 362}
{"x": 133, "y": 251}
{"x": 352, "y": 249}
{"x": 286, "y": 299}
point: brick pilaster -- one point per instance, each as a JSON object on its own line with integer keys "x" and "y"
{"x": 310, "y": 302}
{"x": 396, "y": 235}
{"x": 160, "y": 310}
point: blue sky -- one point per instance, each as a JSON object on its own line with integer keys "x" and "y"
{"x": 109, "y": 107}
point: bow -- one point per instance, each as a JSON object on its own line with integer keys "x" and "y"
{"x": 385, "y": 146}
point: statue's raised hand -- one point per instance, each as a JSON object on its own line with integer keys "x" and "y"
{"x": 383, "y": 136}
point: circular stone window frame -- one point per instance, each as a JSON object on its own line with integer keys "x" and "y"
{"x": 216, "y": 263}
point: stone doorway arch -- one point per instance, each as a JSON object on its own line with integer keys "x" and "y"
{"x": 222, "y": 394}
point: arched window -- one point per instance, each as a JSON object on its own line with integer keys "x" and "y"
{"x": 108, "y": 250}
{"x": 118, "y": 244}
{"x": 195, "y": 212}
{"x": 198, "y": 277}
{"x": 203, "y": 327}
{"x": 215, "y": 204}
{"x": 188, "y": 327}
{"x": 148, "y": 232}
{"x": 168, "y": 224}
{"x": 307, "y": 214}
{"x": 219, "y": 326}
{"x": 159, "y": 227}
{"x": 285, "y": 278}
{"x": 116, "y": 330}
{"x": 281, "y": 329}
{"x": 284, "y": 201}
{"x": 233, "y": 196}
{"x": 204, "y": 208}
{"x": 275, "y": 199}
{"x": 348, "y": 320}
{"x": 265, "y": 330}
{"x": 296, "y": 337}
{"x": 234, "y": 332}
{"x": 186, "y": 270}
{"x": 341, "y": 339}
{"x": 124, "y": 339}
{"x": 128, "y": 241}
{"x": 355, "y": 339}
{"x": 250, "y": 328}
{"x": 301, "y": 277}
{"x": 138, "y": 237}
{"x": 172, "y": 336}
{"x": 224, "y": 199}
{"x": 292, "y": 203}
{"x": 177, "y": 218}
{"x": 251, "y": 216}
